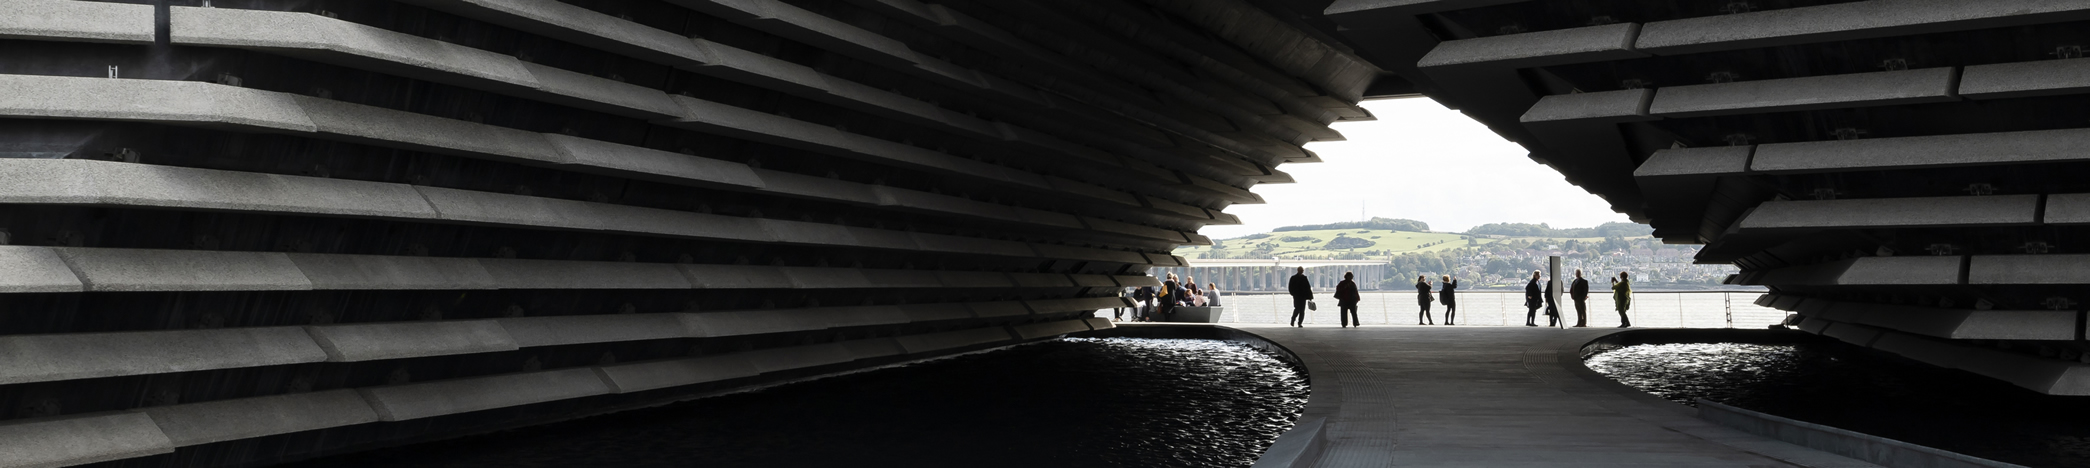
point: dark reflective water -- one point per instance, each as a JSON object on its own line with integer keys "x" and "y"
{"x": 1072, "y": 403}
{"x": 1846, "y": 387}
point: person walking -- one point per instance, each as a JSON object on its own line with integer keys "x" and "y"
{"x": 1302, "y": 291}
{"x": 1532, "y": 301}
{"x": 1451, "y": 304}
{"x": 1423, "y": 299}
{"x": 1553, "y": 318}
{"x": 1578, "y": 291}
{"x": 1622, "y": 293}
{"x": 1346, "y": 299}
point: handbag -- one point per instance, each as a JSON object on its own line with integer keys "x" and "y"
{"x": 1310, "y": 306}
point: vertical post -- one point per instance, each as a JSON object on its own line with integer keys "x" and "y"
{"x": 1553, "y": 275}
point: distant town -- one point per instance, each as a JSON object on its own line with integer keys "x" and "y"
{"x": 1492, "y": 256}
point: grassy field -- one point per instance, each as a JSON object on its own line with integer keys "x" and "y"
{"x": 1311, "y": 244}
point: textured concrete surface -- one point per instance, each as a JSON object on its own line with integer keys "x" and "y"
{"x": 1500, "y": 397}
{"x": 1537, "y": 49}
{"x": 1598, "y": 107}
{"x": 797, "y": 357}
{"x": 1040, "y": 330}
{"x": 655, "y": 164}
{"x": 368, "y": 272}
{"x": 2029, "y": 269}
{"x": 1719, "y": 160}
{"x": 575, "y": 329}
{"x": 83, "y": 181}
{"x": 402, "y": 129}
{"x": 400, "y": 340}
{"x": 640, "y": 376}
{"x": 332, "y": 40}
{"x": 218, "y": 421}
{"x": 1911, "y": 271}
{"x": 1995, "y": 210}
{"x": 2068, "y": 208}
{"x": 191, "y": 102}
{"x": 1925, "y": 151}
{"x": 2025, "y": 79}
{"x": 552, "y": 274}
{"x": 183, "y": 270}
{"x": 1847, "y": 21}
{"x": 76, "y": 21}
{"x": 953, "y": 339}
{"x": 43, "y": 358}
{"x": 76, "y": 440}
{"x": 26, "y": 269}
{"x": 1807, "y": 93}
{"x": 421, "y": 400}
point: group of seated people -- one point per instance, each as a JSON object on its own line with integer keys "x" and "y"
{"x": 1155, "y": 305}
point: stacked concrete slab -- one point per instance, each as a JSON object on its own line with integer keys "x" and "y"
{"x": 1915, "y": 163}
{"x": 250, "y": 231}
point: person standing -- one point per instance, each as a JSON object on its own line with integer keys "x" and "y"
{"x": 1423, "y": 299}
{"x": 1212, "y": 295}
{"x": 1346, "y": 299}
{"x": 1578, "y": 291}
{"x": 1451, "y": 304}
{"x": 1622, "y": 294}
{"x": 1532, "y": 301}
{"x": 1302, "y": 291}
{"x": 1171, "y": 296}
{"x": 1145, "y": 296}
{"x": 1553, "y": 318}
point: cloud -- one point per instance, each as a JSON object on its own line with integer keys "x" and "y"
{"x": 1424, "y": 162}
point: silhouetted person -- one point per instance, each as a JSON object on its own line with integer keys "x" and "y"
{"x": 1578, "y": 292}
{"x": 1622, "y": 294}
{"x": 1532, "y": 301}
{"x": 1423, "y": 299}
{"x": 1302, "y": 291}
{"x": 1346, "y": 299}
{"x": 1145, "y": 295}
{"x": 1172, "y": 295}
{"x": 1451, "y": 304}
{"x": 1552, "y": 306}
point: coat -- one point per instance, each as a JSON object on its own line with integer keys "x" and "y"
{"x": 1622, "y": 294}
{"x": 1346, "y": 294}
{"x": 1445, "y": 296}
{"x": 1301, "y": 288}
{"x": 1531, "y": 295}
{"x": 1422, "y": 292}
{"x": 1579, "y": 290}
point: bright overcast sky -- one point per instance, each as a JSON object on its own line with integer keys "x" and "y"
{"x": 1423, "y": 162}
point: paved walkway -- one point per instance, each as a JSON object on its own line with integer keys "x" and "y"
{"x": 1501, "y": 397}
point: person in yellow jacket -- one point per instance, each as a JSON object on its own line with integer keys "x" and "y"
{"x": 1622, "y": 294}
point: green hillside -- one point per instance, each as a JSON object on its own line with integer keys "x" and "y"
{"x": 1345, "y": 243}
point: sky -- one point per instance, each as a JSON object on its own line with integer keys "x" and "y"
{"x": 1424, "y": 162}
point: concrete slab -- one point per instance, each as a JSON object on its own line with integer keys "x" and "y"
{"x": 401, "y": 129}
{"x": 584, "y": 91}
{"x": 652, "y": 164}
{"x": 1807, "y": 93}
{"x": 825, "y": 278}
{"x": 183, "y": 270}
{"x": 1920, "y": 152}
{"x": 873, "y": 348}
{"x": 378, "y": 272}
{"x": 1539, "y": 49}
{"x": 445, "y": 397}
{"x": 330, "y": 40}
{"x": 973, "y": 245}
{"x": 1995, "y": 210}
{"x": 1041, "y": 330}
{"x": 1878, "y": 271}
{"x": 953, "y": 339}
{"x": 555, "y": 274}
{"x": 79, "y": 440}
{"x": 25, "y": 269}
{"x": 581, "y": 26}
{"x": 1042, "y": 280}
{"x": 109, "y": 183}
{"x": 1628, "y": 105}
{"x": 77, "y": 21}
{"x": 801, "y": 232}
{"x": 45, "y": 358}
{"x": 246, "y": 418}
{"x": 883, "y": 278}
{"x": 576, "y": 329}
{"x": 998, "y": 309}
{"x": 816, "y": 187}
{"x": 974, "y": 279}
{"x": 180, "y": 102}
{"x": 1713, "y": 161}
{"x": 797, "y": 357}
{"x": 401, "y": 340}
{"x": 2068, "y": 208}
{"x": 936, "y": 312}
{"x": 1845, "y": 21}
{"x": 650, "y": 375}
{"x": 735, "y": 277}
{"x": 2025, "y": 79}
{"x": 2029, "y": 269}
